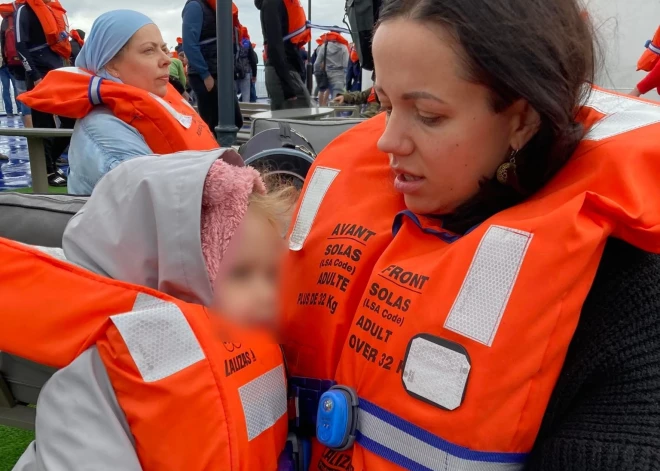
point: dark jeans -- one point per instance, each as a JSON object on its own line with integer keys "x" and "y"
{"x": 5, "y": 79}
{"x": 207, "y": 102}
{"x": 276, "y": 94}
{"x": 54, "y": 146}
{"x": 253, "y": 92}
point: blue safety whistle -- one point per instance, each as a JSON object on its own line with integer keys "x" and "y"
{"x": 337, "y": 416}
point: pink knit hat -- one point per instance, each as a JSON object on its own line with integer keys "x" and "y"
{"x": 224, "y": 204}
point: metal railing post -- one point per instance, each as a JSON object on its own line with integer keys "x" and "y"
{"x": 38, "y": 168}
{"x": 226, "y": 129}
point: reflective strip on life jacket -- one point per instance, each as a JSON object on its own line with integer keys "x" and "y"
{"x": 413, "y": 448}
{"x": 185, "y": 120}
{"x": 95, "y": 91}
{"x": 638, "y": 114}
{"x": 300, "y": 30}
{"x": 264, "y": 401}
{"x": 653, "y": 48}
{"x": 158, "y": 338}
{"x": 318, "y": 186}
{"x": 476, "y": 314}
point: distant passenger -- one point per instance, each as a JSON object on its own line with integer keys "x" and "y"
{"x": 281, "y": 22}
{"x": 36, "y": 25}
{"x": 77, "y": 42}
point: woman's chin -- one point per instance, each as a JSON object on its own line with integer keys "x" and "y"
{"x": 160, "y": 90}
{"x": 420, "y": 205}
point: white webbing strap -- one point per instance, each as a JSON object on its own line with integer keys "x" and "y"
{"x": 413, "y": 448}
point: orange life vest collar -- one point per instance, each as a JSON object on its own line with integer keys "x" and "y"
{"x": 167, "y": 124}
{"x": 454, "y": 344}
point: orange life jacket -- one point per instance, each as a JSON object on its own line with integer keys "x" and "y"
{"x": 167, "y": 124}
{"x": 52, "y": 17}
{"x": 76, "y": 36}
{"x": 299, "y": 33}
{"x": 651, "y": 55}
{"x": 333, "y": 36}
{"x": 234, "y": 12}
{"x": 372, "y": 96}
{"x": 354, "y": 54}
{"x": 7, "y": 9}
{"x": 191, "y": 401}
{"x": 454, "y": 343}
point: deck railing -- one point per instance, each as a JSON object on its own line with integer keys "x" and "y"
{"x": 35, "y": 139}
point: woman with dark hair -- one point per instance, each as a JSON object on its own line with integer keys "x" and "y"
{"x": 449, "y": 265}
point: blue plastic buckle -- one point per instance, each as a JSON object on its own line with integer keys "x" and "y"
{"x": 306, "y": 393}
{"x": 337, "y": 418}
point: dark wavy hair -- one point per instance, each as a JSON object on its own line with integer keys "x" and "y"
{"x": 539, "y": 50}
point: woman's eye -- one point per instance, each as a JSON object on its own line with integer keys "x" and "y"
{"x": 429, "y": 120}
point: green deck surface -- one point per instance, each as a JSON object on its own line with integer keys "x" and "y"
{"x": 51, "y": 189}
{"x": 12, "y": 445}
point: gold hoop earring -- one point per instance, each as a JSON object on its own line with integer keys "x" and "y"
{"x": 507, "y": 170}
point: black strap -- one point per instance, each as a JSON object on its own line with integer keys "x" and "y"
{"x": 325, "y": 56}
{"x": 285, "y": 136}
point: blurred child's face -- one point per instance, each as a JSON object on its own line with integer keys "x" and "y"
{"x": 246, "y": 290}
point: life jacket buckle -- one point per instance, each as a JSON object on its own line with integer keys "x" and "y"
{"x": 305, "y": 394}
{"x": 296, "y": 455}
{"x": 337, "y": 417}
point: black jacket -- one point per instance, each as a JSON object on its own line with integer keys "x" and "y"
{"x": 283, "y": 56}
{"x": 604, "y": 414}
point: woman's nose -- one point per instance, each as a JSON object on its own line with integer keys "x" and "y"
{"x": 395, "y": 139}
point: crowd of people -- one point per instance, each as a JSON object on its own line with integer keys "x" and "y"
{"x": 447, "y": 281}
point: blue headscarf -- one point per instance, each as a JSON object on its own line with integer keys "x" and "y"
{"x": 110, "y": 32}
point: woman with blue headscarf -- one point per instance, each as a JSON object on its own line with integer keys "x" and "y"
{"x": 123, "y": 47}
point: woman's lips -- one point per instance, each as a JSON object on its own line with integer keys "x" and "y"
{"x": 407, "y": 183}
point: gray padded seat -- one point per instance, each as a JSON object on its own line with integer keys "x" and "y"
{"x": 318, "y": 133}
{"x": 34, "y": 220}
{"x": 37, "y": 219}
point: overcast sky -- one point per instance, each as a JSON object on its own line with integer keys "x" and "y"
{"x": 167, "y": 14}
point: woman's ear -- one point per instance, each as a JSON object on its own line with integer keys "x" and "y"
{"x": 111, "y": 69}
{"x": 525, "y": 122}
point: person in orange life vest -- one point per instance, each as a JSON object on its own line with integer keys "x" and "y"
{"x": 35, "y": 26}
{"x": 283, "y": 23}
{"x": 120, "y": 93}
{"x": 11, "y": 57}
{"x": 203, "y": 231}
{"x": 420, "y": 253}
{"x": 77, "y": 42}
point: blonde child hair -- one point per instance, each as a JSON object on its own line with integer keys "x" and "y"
{"x": 277, "y": 204}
